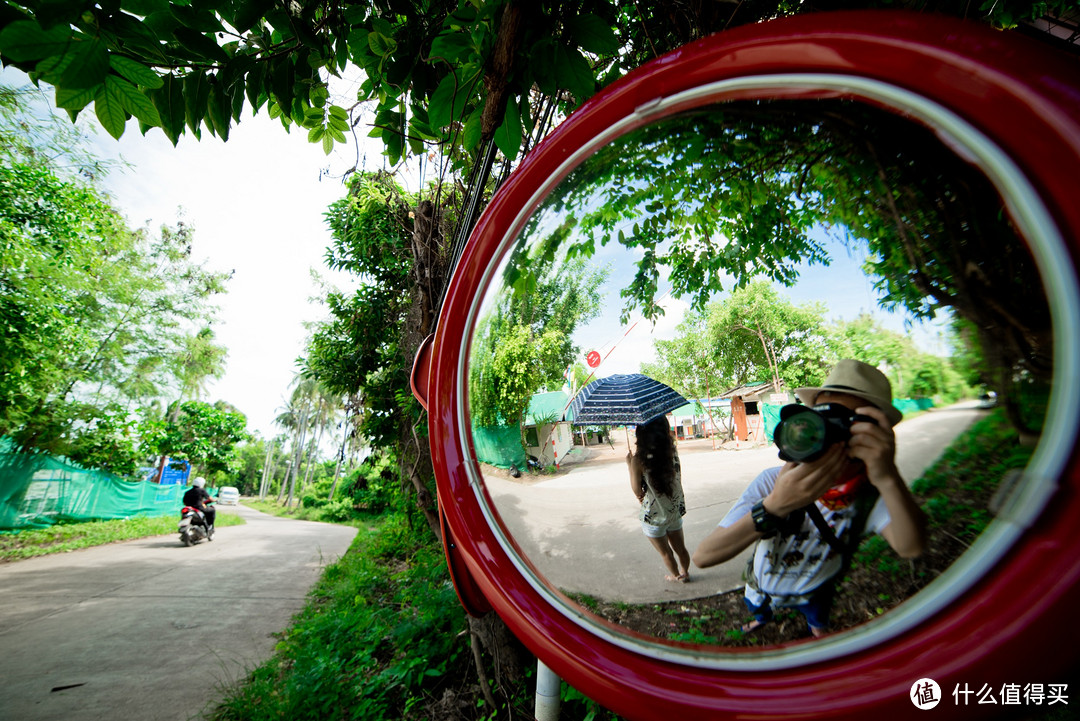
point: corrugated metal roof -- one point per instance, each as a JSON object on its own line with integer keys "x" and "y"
{"x": 749, "y": 389}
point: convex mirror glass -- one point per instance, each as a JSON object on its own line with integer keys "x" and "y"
{"x": 723, "y": 218}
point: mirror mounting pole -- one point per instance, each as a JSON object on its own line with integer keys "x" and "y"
{"x": 548, "y": 686}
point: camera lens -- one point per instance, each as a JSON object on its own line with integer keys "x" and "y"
{"x": 801, "y": 435}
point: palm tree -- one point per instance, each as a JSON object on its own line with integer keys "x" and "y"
{"x": 294, "y": 418}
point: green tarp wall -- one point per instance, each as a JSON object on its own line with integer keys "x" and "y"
{"x": 770, "y": 416}
{"x": 38, "y": 490}
{"x": 910, "y": 405}
{"x": 771, "y": 412}
{"x": 499, "y": 446}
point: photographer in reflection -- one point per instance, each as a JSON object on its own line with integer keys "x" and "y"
{"x": 808, "y": 516}
{"x": 656, "y": 480}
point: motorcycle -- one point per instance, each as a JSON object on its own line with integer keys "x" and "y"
{"x": 193, "y": 526}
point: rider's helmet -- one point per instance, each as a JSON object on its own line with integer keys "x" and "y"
{"x": 199, "y": 482}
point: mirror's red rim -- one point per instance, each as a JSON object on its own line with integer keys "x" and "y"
{"x": 1006, "y": 617}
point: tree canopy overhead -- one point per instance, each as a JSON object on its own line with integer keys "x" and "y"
{"x": 711, "y": 200}
{"x": 446, "y": 73}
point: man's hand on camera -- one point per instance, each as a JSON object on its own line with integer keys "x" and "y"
{"x": 875, "y": 445}
{"x": 800, "y": 484}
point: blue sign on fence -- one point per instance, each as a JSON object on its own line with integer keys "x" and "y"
{"x": 175, "y": 472}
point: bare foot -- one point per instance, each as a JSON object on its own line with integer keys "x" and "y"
{"x": 681, "y": 578}
{"x": 818, "y": 632}
{"x": 752, "y": 626}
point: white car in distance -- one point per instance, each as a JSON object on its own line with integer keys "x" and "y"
{"x": 228, "y": 496}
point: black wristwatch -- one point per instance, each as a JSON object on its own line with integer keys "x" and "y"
{"x": 765, "y": 522}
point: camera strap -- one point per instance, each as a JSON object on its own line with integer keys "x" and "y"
{"x": 824, "y": 529}
{"x": 863, "y": 503}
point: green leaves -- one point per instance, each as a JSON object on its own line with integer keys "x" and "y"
{"x": 86, "y": 300}
{"x": 135, "y": 72}
{"x": 74, "y": 100}
{"x": 573, "y": 71}
{"x": 429, "y": 85}
{"x": 197, "y": 431}
{"x": 26, "y": 40}
{"x": 453, "y": 47}
{"x": 88, "y": 66}
{"x": 199, "y": 45}
{"x": 449, "y": 99}
{"x": 381, "y": 45}
{"x": 219, "y": 105}
{"x": 508, "y": 135}
{"x": 248, "y": 13}
{"x": 327, "y": 127}
{"x": 524, "y": 343}
{"x": 169, "y": 101}
{"x": 593, "y": 34}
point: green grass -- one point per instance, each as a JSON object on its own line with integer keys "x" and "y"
{"x": 65, "y": 537}
{"x": 382, "y": 637}
{"x": 274, "y": 508}
{"x": 583, "y": 599}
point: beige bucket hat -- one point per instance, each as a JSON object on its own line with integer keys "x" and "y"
{"x": 858, "y": 379}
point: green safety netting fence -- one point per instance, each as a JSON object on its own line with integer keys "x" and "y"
{"x": 770, "y": 415}
{"x": 771, "y": 412}
{"x": 38, "y": 490}
{"x": 910, "y": 405}
{"x": 499, "y": 446}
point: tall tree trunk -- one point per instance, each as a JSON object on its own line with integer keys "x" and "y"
{"x": 295, "y": 471}
{"x": 337, "y": 466}
{"x": 297, "y": 443}
{"x": 266, "y": 469}
{"x": 313, "y": 449}
{"x": 432, "y": 268}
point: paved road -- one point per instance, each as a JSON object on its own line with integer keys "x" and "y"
{"x": 580, "y": 529}
{"x": 130, "y": 630}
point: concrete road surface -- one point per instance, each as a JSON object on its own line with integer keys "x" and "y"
{"x": 581, "y": 529}
{"x": 149, "y": 630}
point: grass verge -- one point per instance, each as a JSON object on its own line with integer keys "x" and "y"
{"x": 382, "y": 637}
{"x": 65, "y": 537}
{"x": 274, "y": 508}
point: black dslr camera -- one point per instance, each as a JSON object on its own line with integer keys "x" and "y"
{"x": 804, "y": 433}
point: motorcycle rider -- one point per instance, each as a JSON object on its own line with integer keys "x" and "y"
{"x": 197, "y": 497}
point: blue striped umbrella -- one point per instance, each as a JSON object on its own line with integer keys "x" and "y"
{"x": 624, "y": 399}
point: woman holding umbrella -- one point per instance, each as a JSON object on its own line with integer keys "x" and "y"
{"x": 656, "y": 479}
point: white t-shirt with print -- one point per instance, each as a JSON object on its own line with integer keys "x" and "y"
{"x": 788, "y": 568}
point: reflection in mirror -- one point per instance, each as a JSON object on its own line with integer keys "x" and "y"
{"x": 735, "y": 253}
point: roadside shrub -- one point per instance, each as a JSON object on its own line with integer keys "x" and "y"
{"x": 338, "y": 511}
{"x": 374, "y": 486}
{"x": 310, "y": 500}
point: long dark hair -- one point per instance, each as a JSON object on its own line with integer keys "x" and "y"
{"x": 656, "y": 451}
